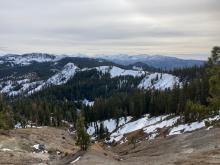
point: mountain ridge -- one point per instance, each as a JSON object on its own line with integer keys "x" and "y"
{"x": 156, "y": 61}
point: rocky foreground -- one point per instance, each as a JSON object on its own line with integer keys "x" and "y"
{"x": 56, "y": 146}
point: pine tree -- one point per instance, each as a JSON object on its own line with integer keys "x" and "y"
{"x": 6, "y": 120}
{"x": 214, "y": 80}
{"x": 83, "y": 138}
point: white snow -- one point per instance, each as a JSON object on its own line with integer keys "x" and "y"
{"x": 152, "y": 125}
{"x": 60, "y": 78}
{"x": 166, "y": 123}
{"x": 137, "y": 68}
{"x": 116, "y": 71}
{"x": 134, "y": 126}
{"x": 88, "y": 103}
{"x": 29, "y": 58}
{"x": 210, "y": 127}
{"x": 18, "y": 125}
{"x": 7, "y": 88}
{"x": 159, "y": 81}
{"x": 109, "y": 124}
{"x": 186, "y": 128}
{"x": 27, "y": 87}
{"x": 5, "y": 149}
{"x": 36, "y": 146}
{"x": 77, "y": 159}
{"x": 191, "y": 126}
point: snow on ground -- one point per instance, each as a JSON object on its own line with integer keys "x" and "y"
{"x": 134, "y": 126}
{"x": 60, "y": 78}
{"x": 7, "y": 87}
{"x": 5, "y": 149}
{"x": 191, "y": 126}
{"x": 165, "y": 123}
{"x": 64, "y": 75}
{"x": 152, "y": 125}
{"x": 24, "y": 86}
{"x": 109, "y": 124}
{"x": 137, "y": 68}
{"x": 159, "y": 81}
{"x": 77, "y": 159}
{"x": 36, "y": 146}
{"x": 116, "y": 71}
{"x": 88, "y": 103}
{"x": 29, "y": 58}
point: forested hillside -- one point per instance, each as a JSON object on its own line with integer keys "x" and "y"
{"x": 194, "y": 97}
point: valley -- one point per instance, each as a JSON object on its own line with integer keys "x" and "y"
{"x": 79, "y": 110}
{"x": 119, "y": 82}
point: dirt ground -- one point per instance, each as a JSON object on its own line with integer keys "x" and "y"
{"x": 16, "y": 146}
{"x": 200, "y": 147}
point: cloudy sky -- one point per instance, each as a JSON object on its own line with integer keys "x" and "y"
{"x": 182, "y": 28}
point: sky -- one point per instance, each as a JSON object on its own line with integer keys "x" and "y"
{"x": 180, "y": 28}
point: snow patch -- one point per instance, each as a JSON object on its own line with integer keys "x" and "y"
{"x": 134, "y": 126}
{"x": 88, "y": 103}
{"x": 159, "y": 81}
{"x": 110, "y": 124}
{"x": 77, "y": 159}
{"x": 116, "y": 71}
{"x": 183, "y": 128}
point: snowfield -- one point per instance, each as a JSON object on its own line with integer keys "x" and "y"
{"x": 116, "y": 71}
{"x": 88, "y": 103}
{"x": 30, "y": 58}
{"x": 60, "y": 78}
{"x": 28, "y": 87}
{"x": 191, "y": 126}
{"x": 110, "y": 124}
{"x": 150, "y": 126}
{"x": 159, "y": 81}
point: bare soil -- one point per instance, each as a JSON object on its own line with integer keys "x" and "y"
{"x": 16, "y": 146}
{"x": 200, "y": 147}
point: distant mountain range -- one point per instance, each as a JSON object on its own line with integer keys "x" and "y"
{"x": 156, "y": 61}
{"x": 30, "y": 73}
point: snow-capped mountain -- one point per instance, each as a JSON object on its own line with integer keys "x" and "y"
{"x": 30, "y": 73}
{"x": 156, "y": 61}
{"x": 60, "y": 78}
{"x": 27, "y": 86}
{"x": 13, "y": 88}
{"x": 27, "y": 59}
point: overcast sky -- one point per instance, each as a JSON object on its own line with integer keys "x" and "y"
{"x": 182, "y": 28}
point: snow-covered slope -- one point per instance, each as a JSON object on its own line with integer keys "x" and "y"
{"x": 151, "y": 127}
{"x": 116, "y": 71}
{"x": 26, "y": 85}
{"x": 110, "y": 124}
{"x": 159, "y": 81}
{"x": 88, "y": 103}
{"x": 14, "y": 88}
{"x": 61, "y": 77}
{"x": 27, "y": 59}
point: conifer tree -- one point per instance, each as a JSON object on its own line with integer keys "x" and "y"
{"x": 214, "y": 80}
{"x": 83, "y": 138}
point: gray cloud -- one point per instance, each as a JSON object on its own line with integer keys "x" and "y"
{"x": 172, "y": 27}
